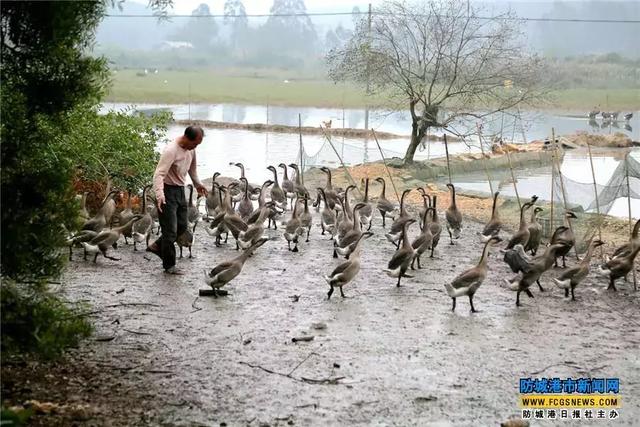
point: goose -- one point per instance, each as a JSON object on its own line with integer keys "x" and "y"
{"x": 494, "y": 225}
{"x": 435, "y": 226}
{"x": 256, "y": 230}
{"x": 520, "y": 237}
{"x": 531, "y": 269}
{"x": 424, "y": 240}
{"x": 244, "y": 184}
{"x": 348, "y": 243}
{"x": 401, "y": 259}
{"x": 605, "y": 115}
{"x": 453, "y": 216}
{"x": 345, "y": 221}
{"x": 614, "y": 115}
{"x": 383, "y": 205}
{"x": 78, "y": 238}
{"x": 572, "y": 277}
{"x": 185, "y": 239}
{"x": 619, "y": 267}
{"x": 99, "y": 220}
{"x": 101, "y": 242}
{"x": 193, "y": 211}
{"x": 84, "y": 213}
{"x": 245, "y": 207}
{"x": 426, "y": 203}
{"x": 298, "y": 187}
{"x": 108, "y": 206}
{"x": 468, "y": 282}
{"x": 366, "y": 212}
{"x": 293, "y": 229}
{"x": 330, "y": 194}
{"x": 124, "y": 217}
{"x": 305, "y": 218}
{"x": 565, "y": 236}
{"x": 328, "y": 218}
{"x": 593, "y": 113}
{"x": 261, "y": 203}
{"x": 396, "y": 230}
{"x": 226, "y": 271}
{"x": 277, "y": 193}
{"x": 142, "y": 227}
{"x": 348, "y": 270}
{"x": 535, "y": 232}
{"x": 217, "y": 225}
{"x": 287, "y": 185}
{"x": 628, "y": 117}
{"x": 627, "y": 248}
{"x": 213, "y": 199}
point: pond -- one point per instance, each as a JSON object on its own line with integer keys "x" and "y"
{"x": 258, "y": 150}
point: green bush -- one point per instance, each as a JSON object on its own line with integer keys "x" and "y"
{"x": 35, "y": 320}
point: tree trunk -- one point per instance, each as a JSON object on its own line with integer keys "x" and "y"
{"x": 416, "y": 138}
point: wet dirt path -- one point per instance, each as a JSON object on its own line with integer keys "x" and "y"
{"x": 386, "y": 355}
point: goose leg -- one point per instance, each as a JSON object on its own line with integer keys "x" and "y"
{"x": 295, "y": 247}
{"x": 190, "y": 256}
{"x": 528, "y": 292}
{"x": 322, "y": 226}
{"x": 540, "y": 286}
{"x": 70, "y": 253}
{"x": 383, "y": 218}
{"x": 126, "y": 242}
{"x": 573, "y": 297}
{"x": 135, "y": 246}
{"x": 431, "y": 256}
{"x": 342, "y": 293}
{"x": 330, "y": 292}
{"x": 454, "y": 305}
{"x": 180, "y": 252}
{"x": 419, "y": 266}
{"x": 95, "y": 258}
{"x": 566, "y": 293}
{"x": 289, "y": 244}
{"x": 85, "y": 255}
{"x": 518, "y": 299}
{"x": 450, "y": 237}
{"x": 399, "y": 277}
{"x": 413, "y": 261}
{"x": 308, "y": 231}
{"x": 226, "y": 237}
{"x": 473, "y": 310}
{"x": 612, "y": 285}
{"x": 369, "y": 228}
{"x": 564, "y": 262}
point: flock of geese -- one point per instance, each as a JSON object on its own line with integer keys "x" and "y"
{"x": 347, "y": 221}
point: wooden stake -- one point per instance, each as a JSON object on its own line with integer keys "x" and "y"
{"x": 564, "y": 194}
{"x": 553, "y": 181}
{"x": 301, "y": 149}
{"x": 595, "y": 190}
{"x": 385, "y": 165}
{"x": 446, "y": 149}
{"x": 626, "y": 164}
{"x": 484, "y": 159}
{"x": 513, "y": 178}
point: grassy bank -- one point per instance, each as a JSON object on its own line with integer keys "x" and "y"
{"x": 281, "y": 88}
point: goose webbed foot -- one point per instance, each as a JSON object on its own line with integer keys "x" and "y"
{"x": 115, "y": 245}
{"x": 528, "y": 292}
{"x": 412, "y": 263}
{"x": 540, "y": 286}
{"x": 573, "y": 297}
{"x": 342, "y": 293}
{"x": 454, "y": 305}
{"x": 612, "y": 285}
{"x": 566, "y": 293}
{"x": 295, "y": 248}
{"x": 518, "y": 299}
{"x": 335, "y": 254}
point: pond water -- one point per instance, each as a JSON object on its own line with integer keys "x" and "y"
{"x": 257, "y": 150}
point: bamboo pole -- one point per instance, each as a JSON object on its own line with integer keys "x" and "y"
{"x": 301, "y": 149}
{"x": 595, "y": 190}
{"x": 446, "y": 149}
{"x": 626, "y": 164}
{"x": 340, "y": 158}
{"x": 513, "y": 178}
{"x": 385, "y": 164}
{"x": 553, "y": 181}
{"x": 484, "y": 159}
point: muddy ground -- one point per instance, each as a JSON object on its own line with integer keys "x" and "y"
{"x": 161, "y": 355}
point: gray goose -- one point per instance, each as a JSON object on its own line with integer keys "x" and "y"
{"x": 213, "y": 199}
{"x": 535, "y": 232}
{"x": 298, "y": 187}
{"x": 327, "y": 217}
{"x": 293, "y": 230}
{"x": 366, "y": 212}
{"x": 565, "y": 236}
{"x": 520, "y": 237}
{"x": 99, "y": 220}
{"x": 345, "y": 221}
{"x": 383, "y": 205}
{"x": 348, "y": 242}
{"x": 306, "y": 219}
{"x": 245, "y": 207}
{"x": 426, "y": 203}
{"x": 401, "y": 259}
{"x": 124, "y": 217}
{"x": 424, "y": 241}
{"x": 348, "y": 270}
{"x": 435, "y": 226}
{"x": 256, "y": 230}
{"x": 396, "y": 230}
{"x": 531, "y": 269}
{"x": 627, "y": 248}
{"x": 330, "y": 194}
{"x": 106, "y": 238}
{"x": 226, "y": 271}
{"x": 453, "y": 216}
{"x": 619, "y": 267}
{"x": 287, "y": 185}
{"x": 277, "y": 193}
{"x": 468, "y": 282}
{"x": 494, "y": 225}
{"x": 572, "y": 277}
{"x": 142, "y": 227}
{"x": 261, "y": 202}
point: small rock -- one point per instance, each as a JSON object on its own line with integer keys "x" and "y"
{"x": 120, "y": 291}
{"x": 319, "y": 325}
{"x": 428, "y": 398}
{"x": 336, "y": 365}
{"x": 223, "y": 424}
{"x": 247, "y": 341}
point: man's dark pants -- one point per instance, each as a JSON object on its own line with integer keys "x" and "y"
{"x": 173, "y": 222}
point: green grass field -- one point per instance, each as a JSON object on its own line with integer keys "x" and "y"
{"x": 266, "y": 86}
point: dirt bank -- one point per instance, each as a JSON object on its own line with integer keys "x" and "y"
{"x": 385, "y": 355}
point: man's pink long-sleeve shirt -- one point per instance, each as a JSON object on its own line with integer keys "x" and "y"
{"x": 173, "y": 166}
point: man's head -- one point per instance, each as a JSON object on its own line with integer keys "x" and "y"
{"x": 192, "y": 137}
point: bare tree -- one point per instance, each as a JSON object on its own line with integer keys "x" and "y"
{"x": 443, "y": 59}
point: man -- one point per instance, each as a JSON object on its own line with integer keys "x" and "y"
{"x": 178, "y": 158}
